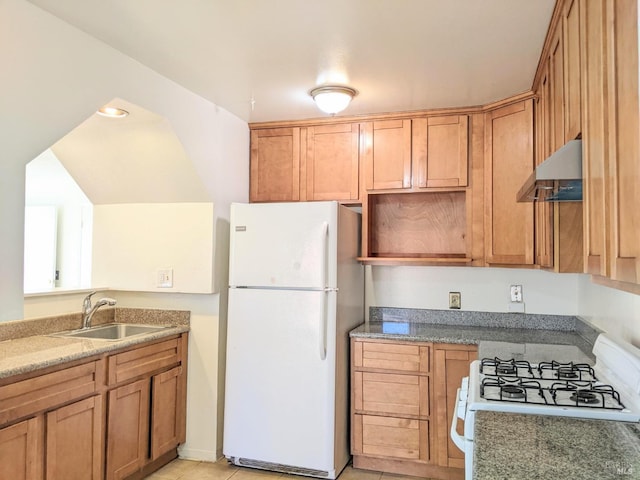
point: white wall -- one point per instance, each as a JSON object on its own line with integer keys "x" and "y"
{"x": 482, "y": 289}
{"x": 614, "y": 311}
{"x": 131, "y": 242}
{"x": 53, "y": 78}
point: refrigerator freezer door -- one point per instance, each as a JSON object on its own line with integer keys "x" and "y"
{"x": 280, "y": 393}
{"x": 283, "y": 245}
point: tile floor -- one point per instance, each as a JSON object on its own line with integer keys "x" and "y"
{"x": 222, "y": 470}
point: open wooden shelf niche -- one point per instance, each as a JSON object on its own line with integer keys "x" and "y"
{"x": 418, "y": 228}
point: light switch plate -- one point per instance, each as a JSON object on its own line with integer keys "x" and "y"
{"x": 164, "y": 278}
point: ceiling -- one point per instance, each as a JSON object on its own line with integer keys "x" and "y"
{"x": 258, "y": 59}
{"x": 136, "y": 159}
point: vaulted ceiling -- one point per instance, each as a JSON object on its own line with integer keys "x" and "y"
{"x": 259, "y": 58}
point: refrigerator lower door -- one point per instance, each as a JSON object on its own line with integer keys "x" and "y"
{"x": 280, "y": 381}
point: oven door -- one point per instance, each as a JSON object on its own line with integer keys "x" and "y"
{"x": 463, "y": 441}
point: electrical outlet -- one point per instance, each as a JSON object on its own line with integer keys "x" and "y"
{"x": 455, "y": 300}
{"x": 516, "y": 293}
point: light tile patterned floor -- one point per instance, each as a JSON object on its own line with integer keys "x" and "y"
{"x": 222, "y": 470}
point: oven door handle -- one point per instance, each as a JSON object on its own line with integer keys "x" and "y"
{"x": 457, "y": 439}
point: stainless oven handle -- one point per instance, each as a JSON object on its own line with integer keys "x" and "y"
{"x": 455, "y": 436}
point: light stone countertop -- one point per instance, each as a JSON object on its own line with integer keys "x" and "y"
{"x": 33, "y": 347}
{"x": 529, "y": 337}
{"x": 515, "y": 446}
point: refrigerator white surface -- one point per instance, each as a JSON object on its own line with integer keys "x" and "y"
{"x": 296, "y": 291}
{"x": 290, "y": 245}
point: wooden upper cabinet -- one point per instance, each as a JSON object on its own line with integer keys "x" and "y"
{"x": 508, "y": 163}
{"x": 440, "y": 151}
{"x": 331, "y": 163}
{"x": 275, "y": 165}
{"x": 594, "y": 152}
{"x": 572, "y": 69}
{"x": 556, "y": 91}
{"x": 624, "y": 153}
{"x": 386, "y": 150}
{"x": 543, "y": 211}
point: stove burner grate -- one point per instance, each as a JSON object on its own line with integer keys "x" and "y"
{"x": 511, "y": 389}
{"x": 585, "y": 394}
{"x": 567, "y": 371}
{"x": 506, "y": 367}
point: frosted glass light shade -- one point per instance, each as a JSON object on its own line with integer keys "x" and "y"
{"x": 332, "y": 99}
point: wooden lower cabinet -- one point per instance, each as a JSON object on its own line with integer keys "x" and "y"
{"x": 128, "y": 428}
{"x": 117, "y": 416}
{"x": 397, "y": 438}
{"x": 21, "y": 456}
{"x": 146, "y": 418}
{"x": 401, "y": 406}
{"x": 451, "y": 364}
{"x": 74, "y": 441}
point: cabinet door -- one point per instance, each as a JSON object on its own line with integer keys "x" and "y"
{"x": 508, "y": 163}
{"x": 21, "y": 453}
{"x": 127, "y": 429}
{"x": 451, "y": 364}
{"x": 440, "y": 151}
{"x": 391, "y": 437}
{"x": 275, "y": 165}
{"x": 572, "y": 95}
{"x": 624, "y": 124}
{"x": 167, "y": 411}
{"x": 401, "y": 357}
{"x": 594, "y": 148}
{"x": 74, "y": 441}
{"x": 387, "y": 154}
{"x": 543, "y": 211}
{"x": 332, "y": 162}
{"x": 391, "y": 394}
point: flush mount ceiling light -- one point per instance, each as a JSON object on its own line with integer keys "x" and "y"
{"x": 112, "y": 112}
{"x": 332, "y": 98}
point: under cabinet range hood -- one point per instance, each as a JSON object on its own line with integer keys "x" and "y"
{"x": 558, "y": 178}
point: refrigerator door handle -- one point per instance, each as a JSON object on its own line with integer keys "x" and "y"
{"x": 323, "y": 259}
{"x": 323, "y": 311}
{"x": 322, "y": 334}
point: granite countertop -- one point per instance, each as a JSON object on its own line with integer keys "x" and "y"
{"x": 496, "y": 334}
{"x": 28, "y": 346}
{"x": 554, "y": 447}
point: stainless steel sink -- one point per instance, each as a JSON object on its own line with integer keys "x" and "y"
{"x": 112, "y": 331}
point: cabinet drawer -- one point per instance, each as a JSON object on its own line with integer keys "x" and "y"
{"x": 36, "y": 394}
{"x": 390, "y": 437}
{"x": 393, "y": 394}
{"x": 392, "y": 356}
{"x": 141, "y": 361}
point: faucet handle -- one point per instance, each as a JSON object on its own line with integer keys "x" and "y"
{"x": 86, "y": 303}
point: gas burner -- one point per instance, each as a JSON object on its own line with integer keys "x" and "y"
{"x": 566, "y": 371}
{"x": 511, "y": 391}
{"x": 511, "y": 367}
{"x": 584, "y": 396}
{"x": 505, "y": 369}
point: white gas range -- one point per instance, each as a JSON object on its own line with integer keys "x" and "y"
{"x": 610, "y": 390}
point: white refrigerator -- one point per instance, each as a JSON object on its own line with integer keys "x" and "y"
{"x": 296, "y": 289}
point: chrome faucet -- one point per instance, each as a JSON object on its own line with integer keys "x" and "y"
{"x": 88, "y": 310}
